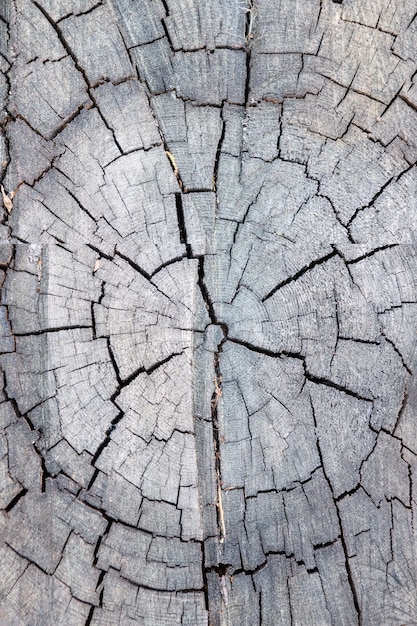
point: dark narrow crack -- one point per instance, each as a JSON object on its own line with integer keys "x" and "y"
{"x": 300, "y": 273}
{"x": 76, "y": 200}
{"x": 67, "y": 120}
{"x": 163, "y": 23}
{"x": 93, "y": 315}
{"x": 114, "y": 362}
{"x": 176, "y": 259}
{"x": 41, "y": 175}
{"x": 122, "y": 383}
{"x": 348, "y": 569}
{"x": 181, "y": 225}
{"x": 289, "y": 601}
{"x": 372, "y": 201}
{"x": 27, "y": 558}
{"x": 134, "y": 265}
{"x": 204, "y": 572}
{"x": 145, "y": 370}
{"x": 396, "y": 350}
{"x": 401, "y": 411}
{"x": 330, "y": 383}
{"x": 93, "y": 479}
{"x": 217, "y": 393}
{"x": 90, "y": 616}
{"x": 83, "y": 73}
{"x": 45, "y": 331}
{"x": 5, "y": 266}
{"x": 44, "y": 472}
{"x": 279, "y": 355}
{"x": 90, "y": 10}
{"x": 172, "y": 588}
{"x": 15, "y": 500}
{"x": 241, "y": 222}
{"x": 6, "y": 119}
{"x": 102, "y": 572}
{"x": 347, "y": 565}
{"x": 249, "y": 34}
{"x": 63, "y": 41}
{"x": 205, "y": 293}
{"x": 371, "y": 253}
{"x": 308, "y": 375}
{"x": 142, "y": 150}
{"x": 101, "y": 538}
{"x": 106, "y": 440}
{"x": 218, "y": 152}
{"x": 326, "y": 544}
{"x": 345, "y": 494}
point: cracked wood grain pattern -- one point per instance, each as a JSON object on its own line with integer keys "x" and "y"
{"x": 208, "y": 313}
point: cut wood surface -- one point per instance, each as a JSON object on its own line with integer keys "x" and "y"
{"x": 208, "y": 265}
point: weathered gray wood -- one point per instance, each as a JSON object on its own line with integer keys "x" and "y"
{"x": 208, "y": 312}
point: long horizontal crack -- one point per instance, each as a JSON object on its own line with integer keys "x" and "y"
{"x": 58, "y": 329}
{"x": 309, "y": 376}
{"x": 260, "y": 350}
{"x": 330, "y": 383}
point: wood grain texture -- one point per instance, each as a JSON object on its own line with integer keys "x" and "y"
{"x": 208, "y": 277}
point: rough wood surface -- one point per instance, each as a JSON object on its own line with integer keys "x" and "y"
{"x": 208, "y": 267}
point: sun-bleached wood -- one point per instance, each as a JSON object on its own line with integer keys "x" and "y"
{"x": 208, "y": 273}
